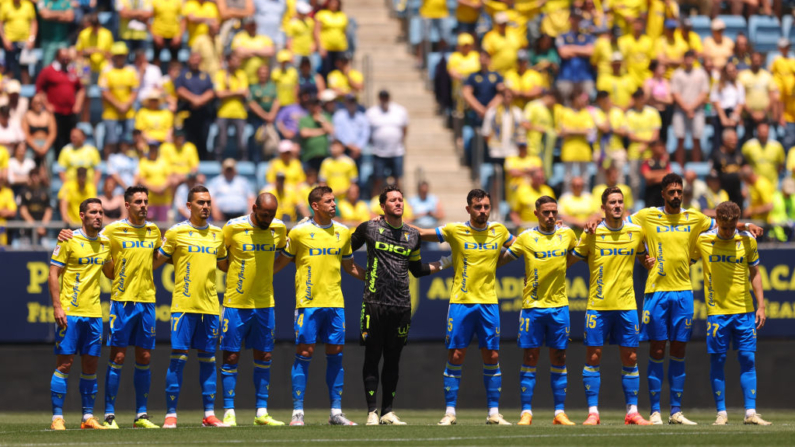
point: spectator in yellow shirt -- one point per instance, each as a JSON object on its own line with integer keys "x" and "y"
{"x": 761, "y": 94}
{"x": 718, "y": 47}
{"x": 352, "y": 209}
{"x": 613, "y": 178}
{"x": 286, "y": 78}
{"x": 670, "y": 48}
{"x": 154, "y": 122}
{"x": 78, "y": 155}
{"x": 540, "y": 125}
{"x": 524, "y": 203}
{"x": 659, "y": 14}
{"x": 254, "y": 50}
{"x": 345, "y": 79}
{"x": 119, "y": 87}
{"x": 290, "y": 202}
{"x": 605, "y": 45}
{"x": 643, "y": 128}
{"x": 638, "y": 51}
{"x": 200, "y": 18}
{"x": 288, "y": 164}
{"x": 330, "y": 34}
{"x": 760, "y": 195}
{"x": 154, "y": 173}
{"x": 578, "y": 129}
{"x": 181, "y": 157}
{"x": 338, "y": 171}
{"x": 618, "y": 84}
{"x": 525, "y": 83}
{"x": 134, "y": 16}
{"x": 300, "y": 32}
{"x": 764, "y": 155}
{"x": 8, "y": 209}
{"x": 460, "y": 65}
{"x": 576, "y": 206}
{"x": 501, "y": 45}
{"x": 467, "y": 13}
{"x": 165, "y": 28}
{"x": 517, "y": 168}
{"x": 94, "y": 43}
{"x": 18, "y": 29}
{"x": 690, "y": 37}
{"x": 231, "y": 88}
{"x": 74, "y": 192}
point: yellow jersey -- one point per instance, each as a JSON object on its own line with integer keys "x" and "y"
{"x": 202, "y": 10}
{"x": 350, "y": 212}
{"x": 674, "y": 49}
{"x": 82, "y": 259}
{"x": 579, "y": 207}
{"x": 233, "y": 107}
{"x": 166, "y": 16}
{"x": 475, "y": 255}
{"x": 620, "y": 88}
{"x": 288, "y": 203}
{"x": 285, "y": 81}
{"x": 133, "y": 33}
{"x": 611, "y": 260}
{"x": 301, "y": 34}
{"x": 766, "y": 159}
{"x": 339, "y": 81}
{"x": 8, "y": 203}
{"x": 132, "y": 248}
{"x": 761, "y": 193}
{"x": 502, "y": 50}
{"x": 333, "y": 26}
{"x": 603, "y": 50}
{"x": 545, "y": 257}
{"x": 338, "y": 174}
{"x": 670, "y": 239}
{"x": 102, "y": 41}
{"x": 318, "y": 252}
{"x": 576, "y": 147}
{"x": 524, "y": 83}
{"x": 642, "y": 124}
{"x": 156, "y": 173}
{"x": 659, "y": 11}
{"x": 524, "y": 200}
{"x": 638, "y": 53}
{"x": 537, "y": 114}
{"x": 434, "y": 9}
{"x": 251, "y": 64}
{"x": 122, "y": 83}
{"x": 74, "y": 196}
{"x": 86, "y": 156}
{"x": 467, "y": 14}
{"x": 17, "y": 19}
{"x": 251, "y": 250}
{"x": 293, "y": 172}
{"x": 4, "y": 157}
{"x": 727, "y": 287}
{"x": 464, "y": 64}
{"x": 195, "y": 253}
{"x": 182, "y": 160}
{"x": 154, "y": 124}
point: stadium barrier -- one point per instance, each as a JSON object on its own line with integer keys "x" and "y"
{"x": 29, "y": 318}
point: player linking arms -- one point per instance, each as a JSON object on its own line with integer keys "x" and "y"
{"x": 75, "y": 302}
{"x": 729, "y": 256}
{"x": 393, "y": 250}
{"x": 545, "y": 305}
{"x": 133, "y": 242}
{"x": 248, "y": 314}
{"x": 473, "y": 307}
{"x": 611, "y": 313}
{"x": 319, "y": 248}
{"x": 195, "y": 247}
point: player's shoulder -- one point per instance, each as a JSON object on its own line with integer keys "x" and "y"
{"x": 278, "y": 224}
{"x": 631, "y": 227}
{"x": 339, "y": 227}
{"x": 745, "y": 236}
{"x": 238, "y": 222}
{"x": 179, "y": 227}
{"x": 709, "y": 234}
{"x": 497, "y": 226}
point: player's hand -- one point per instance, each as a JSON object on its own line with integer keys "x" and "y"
{"x": 377, "y": 218}
{"x": 648, "y": 262}
{"x": 65, "y": 235}
{"x": 590, "y": 225}
{"x": 756, "y": 230}
{"x": 60, "y": 317}
{"x": 305, "y": 219}
{"x": 760, "y": 318}
{"x": 445, "y": 262}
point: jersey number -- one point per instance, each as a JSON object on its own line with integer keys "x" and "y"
{"x": 524, "y": 324}
{"x": 226, "y": 325}
{"x": 112, "y": 319}
{"x": 300, "y": 320}
{"x": 646, "y": 317}
{"x": 591, "y": 321}
{"x": 712, "y": 327}
{"x": 449, "y": 325}
{"x": 175, "y": 321}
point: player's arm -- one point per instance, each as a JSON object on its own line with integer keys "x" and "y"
{"x": 505, "y": 257}
{"x": 281, "y": 261}
{"x": 756, "y": 230}
{"x": 419, "y": 269}
{"x": 54, "y": 283}
{"x": 223, "y": 265}
{"x": 353, "y": 269}
{"x": 160, "y": 258}
{"x": 359, "y": 236}
{"x": 756, "y": 285}
{"x": 107, "y": 268}
{"x": 581, "y": 251}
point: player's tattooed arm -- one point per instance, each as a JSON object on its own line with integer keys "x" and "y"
{"x": 353, "y": 269}
{"x": 54, "y": 283}
{"x": 505, "y": 257}
{"x": 756, "y": 285}
{"x": 756, "y": 230}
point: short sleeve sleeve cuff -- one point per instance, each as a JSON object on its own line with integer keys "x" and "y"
{"x": 57, "y": 263}
{"x": 512, "y": 254}
{"x": 163, "y": 252}
{"x": 577, "y": 254}
{"x": 439, "y": 234}
{"x": 348, "y": 256}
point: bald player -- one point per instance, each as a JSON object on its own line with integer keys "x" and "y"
{"x": 248, "y": 313}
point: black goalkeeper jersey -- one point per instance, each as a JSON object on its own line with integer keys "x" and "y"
{"x": 391, "y": 254}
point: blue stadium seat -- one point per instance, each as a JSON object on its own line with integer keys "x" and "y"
{"x": 248, "y": 170}
{"x": 734, "y": 25}
{"x": 210, "y": 169}
{"x": 28, "y": 90}
{"x": 700, "y": 168}
{"x": 262, "y": 170}
{"x": 366, "y": 169}
{"x": 211, "y": 137}
{"x": 486, "y": 173}
{"x": 104, "y": 18}
{"x": 701, "y": 26}
{"x": 99, "y": 135}
{"x": 764, "y": 32}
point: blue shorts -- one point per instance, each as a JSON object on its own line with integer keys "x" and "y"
{"x": 327, "y": 322}
{"x": 132, "y": 323}
{"x": 667, "y": 316}
{"x": 464, "y": 320}
{"x": 82, "y": 335}
{"x": 739, "y": 329}
{"x": 618, "y": 327}
{"x": 538, "y": 324}
{"x": 255, "y": 326}
{"x": 194, "y": 331}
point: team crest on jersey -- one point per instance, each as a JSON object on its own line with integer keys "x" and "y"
{"x": 273, "y": 233}
{"x": 630, "y": 236}
{"x": 560, "y": 237}
{"x": 687, "y": 215}
{"x": 406, "y": 235}
{"x": 246, "y": 231}
{"x": 213, "y": 236}
{"x": 337, "y": 233}
{"x": 380, "y": 231}
{"x": 467, "y": 231}
{"x": 190, "y": 233}
{"x": 535, "y": 239}
{"x": 738, "y": 244}
{"x": 603, "y": 237}
{"x": 125, "y": 230}
{"x": 311, "y": 235}
{"x": 148, "y": 231}
{"x": 493, "y": 232}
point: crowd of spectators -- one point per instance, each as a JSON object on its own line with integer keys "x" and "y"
{"x": 101, "y": 95}
{"x": 618, "y": 92}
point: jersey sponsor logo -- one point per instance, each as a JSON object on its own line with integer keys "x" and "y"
{"x": 391, "y": 248}
{"x": 726, "y": 258}
{"x": 600, "y": 283}
{"x": 241, "y": 277}
{"x": 137, "y": 244}
{"x": 373, "y": 274}
{"x": 464, "y": 276}
{"x": 75, "y": 290}
{"x": 550, "y": 254}
{"x": 186, "y": 281}
{"x": 660, "y": 260}
{"x": 202, "y": 249}
{"x": 616, "y": 251}
{"x": 259, "y": 247}
{"x": 308, "y": 295}
{"x": 479, "y": 246}
{"x": 122, "y": 275}
{"x": 673, "y": 228}
{"x": 331, "y": 251}
{"x": 90, "y": 261}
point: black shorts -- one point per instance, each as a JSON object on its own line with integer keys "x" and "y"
{"x": 386, "y": 326}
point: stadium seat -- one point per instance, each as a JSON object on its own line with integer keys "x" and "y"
{"x": 700, "y": 168}
{"x": 105, "y": 18}
{"x": 99, "y": 135}
{"x": 262, "y": 170}
{"x": 734, "y": 25}
{"x": 701, "y": 26}
{"x": 248, "y": 170}
{"x": 764, "y": 32}
{"x": 210, "y": 169}
{"x": 28, "y": 91}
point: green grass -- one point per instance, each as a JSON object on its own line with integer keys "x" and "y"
{"x": 31, "y": 429}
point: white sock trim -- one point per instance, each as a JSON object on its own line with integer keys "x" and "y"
{"x": 593, "y": 409}
{"x": 530, "y": 412}
{"x": 336, "y": 411}
{"x": 230, "y": 411}
{"x": 171, "y": 415}
{"x": 750, "y": 412}
{"x": 295, "y": 412}
{"x": 262, "y": 412}
{"x": 632, "y": 409}
{"x": 557, "y": 412}
{"x": 493, "y": 411}
{"x": 449, "y": 410}
{"x": 209, "y": 413}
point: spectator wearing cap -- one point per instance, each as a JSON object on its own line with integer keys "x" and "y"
{"x": 263, "y": 106}
{"x": 231, "y": 88}
{"x": 727, "y": 162}
{"x": 460, "y": 64}
{"x": 18, "y": 29}
{"x": 253, "y": 49}
{"x": 576, "y": 127}
{"x": 517, "y": 167}
{"x": 638, "y": 51}
{"x": 200, "y": 18}
{"x": 123, "y": 166}
{"x": 718, "y": 47}
{"x": 501, "y": 45}
{"x": 764, "y": 155}
{"x": 351, "y": 128}
{"x": 642, "y": 124}
{"x": 38, "y": 125}
{"x": 156, "y": 123}
{"x": 742, "y": 52}
{"x": 575, "y": 49}
{"x": 619, "y": 84}
{"x": 150, "y": 75}
{"x": 288, "y": 117}
{"x": 64, "y": 96}
{"x": 690, "y": 91}
{"x": 181, "y": 156}
{"x": 300, "y": 33}
{"x": 328, "y": 99}
{"x": 525, "y": 83}
{"x": 288, "y": 165}
{"x": 56, "y": 17}
{"x": 728, "y": 101}
{"x": 604, "y": 46}
{"x": 94, "y": 43}
{"x": 670, "y": 49}
{"x": 133, "y": 26}
{"x": 286, "y": 78}
{"x": 232, "y": 193}
{"x": 17, "y": 104}
{"x": 783, "y": 64}
{"x": 166, "y": 29}
{"x": 154, "y": 173}
{"x": 759, "y": 193}
{"x": 315, "y": 130}
{"x": 389, "y": 126}
{"x": 195, "y": 92}
{"x": 761, "y": 95}
{"x": 502, "y": 129}
{"x": 345, "y": 79}
{"x": 782, "y": 217}
{"x": 119, "y": 86}
{"x": 338, "y": 171}
{"x": 308, "y": 79}
{"x": 331, "y": 24}
{"x": 73, "y": 193}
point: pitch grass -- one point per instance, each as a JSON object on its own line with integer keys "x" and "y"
{"x": 32, "y": 429}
